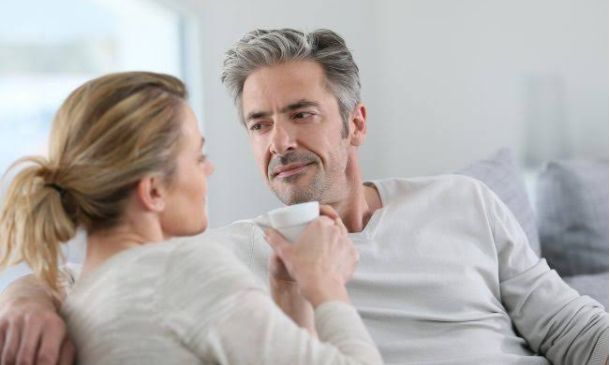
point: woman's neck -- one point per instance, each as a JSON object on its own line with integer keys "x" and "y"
{"x": 103, "y": 244}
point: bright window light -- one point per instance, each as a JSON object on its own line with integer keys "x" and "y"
{"x": 48, "y": 48}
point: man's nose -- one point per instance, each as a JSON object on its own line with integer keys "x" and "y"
{"x": 282, "y": 139}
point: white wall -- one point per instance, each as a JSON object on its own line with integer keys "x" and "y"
{"x": 446, "y": 82}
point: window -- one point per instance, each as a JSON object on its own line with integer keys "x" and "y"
{"x": 48, "y": 48}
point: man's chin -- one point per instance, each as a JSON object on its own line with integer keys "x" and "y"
{"x": 296, "y": 189}
{"x": 293, "y": 196}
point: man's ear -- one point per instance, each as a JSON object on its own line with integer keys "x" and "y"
{"x": 358, "y": 125}
{"x": 151, "y": 193}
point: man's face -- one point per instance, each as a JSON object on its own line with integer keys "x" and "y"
{"x": 294, "y": 126}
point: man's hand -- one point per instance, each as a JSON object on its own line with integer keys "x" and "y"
{"x": 31, "y": 330}
{"x": 33, "y": 333}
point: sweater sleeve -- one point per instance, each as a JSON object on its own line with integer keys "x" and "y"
{"x": 214, "y": 305}
{"x": 557, "y": 322}
{"x": 258, "y": 332}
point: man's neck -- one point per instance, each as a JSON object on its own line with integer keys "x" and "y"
{"x": 359, "y": 206}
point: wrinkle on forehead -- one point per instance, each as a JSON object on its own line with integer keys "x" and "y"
{"x": 272, "y": 88}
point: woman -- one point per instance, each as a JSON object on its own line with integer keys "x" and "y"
{"x": 126, "y": 164}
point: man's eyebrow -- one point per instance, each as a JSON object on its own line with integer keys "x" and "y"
{"x": 303, "y": 103}
{"x": 257, "y": 115}
{"x": 202, "y": 141}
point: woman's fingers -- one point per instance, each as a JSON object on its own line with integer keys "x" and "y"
{"x": 277, "y": 269}
{"x": 328, "y": 211}
{"x": 339, "y": 222}
{"x": 278, "y": 243}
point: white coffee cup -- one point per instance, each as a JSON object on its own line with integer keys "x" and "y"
{"x": 291, "y": 220}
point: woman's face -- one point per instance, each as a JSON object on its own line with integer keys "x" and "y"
{"x": 185, "y": 213}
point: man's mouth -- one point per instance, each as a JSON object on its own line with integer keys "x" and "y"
{"x": 289, "y": 170}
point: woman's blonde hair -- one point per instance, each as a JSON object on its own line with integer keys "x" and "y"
{"x": 108, "y": 134}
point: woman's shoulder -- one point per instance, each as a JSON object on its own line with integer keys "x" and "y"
{"x": 124, "y": 273}
{"x": 165, "y": 279}
{"x": 115, "y": 293}
{"x": 202, "y": 280}
{"x": 162, "y": 264}
{"x": 208, "y": 262}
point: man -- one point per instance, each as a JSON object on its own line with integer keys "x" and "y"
{"x": 446, "y": 274}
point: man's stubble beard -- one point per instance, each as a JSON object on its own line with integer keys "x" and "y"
{"x": 324, "y": 184}
{"x": 294, "y": 194}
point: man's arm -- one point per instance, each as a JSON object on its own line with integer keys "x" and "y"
{"x": 557, "y": 322}
{"x": 31, "y": 330}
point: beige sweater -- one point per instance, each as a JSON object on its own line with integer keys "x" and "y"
{"x": 195, "y": 303}
{"x": 446, "y": 276}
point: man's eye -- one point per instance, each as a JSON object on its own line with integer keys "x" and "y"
{"x": 302, "y": 115}
{"x": 256, "y": 127}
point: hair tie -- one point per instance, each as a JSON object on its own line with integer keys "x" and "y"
{"x": 56, "y": 187}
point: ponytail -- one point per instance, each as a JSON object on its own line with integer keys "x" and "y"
{"x": 34, "y": 222}
{"x": 107, "y": 135}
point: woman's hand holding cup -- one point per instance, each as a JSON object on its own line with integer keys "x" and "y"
{"x": 321, "y": 260}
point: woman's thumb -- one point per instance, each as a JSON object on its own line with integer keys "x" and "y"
{"x": 277, "y": 242}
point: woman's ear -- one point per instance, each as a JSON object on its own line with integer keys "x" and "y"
{"x": 151, "y": 193}
{"x": 358, "y": 125}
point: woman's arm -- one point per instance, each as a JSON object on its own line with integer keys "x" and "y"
{"x": 219, "y": 311}
{"x": 256, "y": 331}
{"x": 286, "y": 294}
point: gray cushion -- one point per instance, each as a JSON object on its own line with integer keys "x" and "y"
{"x": 593, "y": 285}
{"x": 501, "y": 174}
{"x": 572, "y": 206}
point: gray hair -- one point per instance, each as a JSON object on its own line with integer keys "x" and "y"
{"x": 261, "y": 48}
